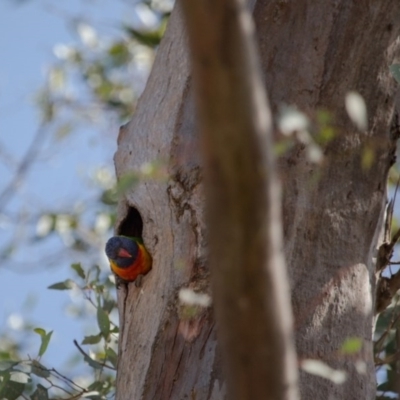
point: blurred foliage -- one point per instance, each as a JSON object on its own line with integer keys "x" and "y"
{"x": 97, "y": 78}
{"x": 387, "y": 328}
{"x": 31, "y": 377}
{"x": 387, "y": 350}
{"x": 104, "y": 67}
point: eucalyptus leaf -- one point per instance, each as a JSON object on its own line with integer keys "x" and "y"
{"x": 103, "y": 321}
{"x": 65, "y": 285}
{"x": 77, "y": 267}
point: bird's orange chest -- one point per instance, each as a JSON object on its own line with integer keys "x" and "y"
{"x": 140, "y": 266}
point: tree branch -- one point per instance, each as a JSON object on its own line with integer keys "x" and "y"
{"x": 23, "y": 167}
{"x": 90, "y": 359}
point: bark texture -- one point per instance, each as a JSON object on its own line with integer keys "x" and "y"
{"x": 163, "y": 353}
{"x": 250, "y": 286}
{"x": 312, "y": 53}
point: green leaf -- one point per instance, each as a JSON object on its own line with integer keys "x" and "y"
{"x": 395, "y": 70}
{"x": 99, "y": 289}
{"x": 391, "y": 342}
{"x": 112, "y": 357}
{"x": 40, "y": 331}
{"x": 150, "y": 39}
{"x": 96, "y": 385}
{"x": 40, "y": 393}
{"x": 45, "y": 343}
{"x": 77, "y": 267}
{"x": 384, "y": 319}
{"x": 6, "y": 365}
{"x": 351, "y": 345}
{"x": 65, "y": 285}
{"x": 45, "y": 340}
{"x": 109, "y": 197}
{"x": 94, "y": 339}
{"x": 39, "y": 369}
{"x": 109, "y": 304}
{"x": 119, "y": 53}
{"x": 11, "y": 390}
{"x": 94, "y": 364}
{"x": 103, "y": 321}
{"x": 3, "y": 383}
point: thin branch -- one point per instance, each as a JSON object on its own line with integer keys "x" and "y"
{"x": 385, "y": 252}
{"x": 53, "y": 385}
{"x": 67, "y": 381}
{"x": 27, "y": 160}
{"x": 90, "y": 358}
{"x": 386, "y": 290}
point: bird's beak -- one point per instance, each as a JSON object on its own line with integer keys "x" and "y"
{"x": 123, "y": 253}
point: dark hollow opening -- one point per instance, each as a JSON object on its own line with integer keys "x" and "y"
{"x": 132, "y": 224}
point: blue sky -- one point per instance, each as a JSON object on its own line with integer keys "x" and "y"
{"x": 29, "y": 32}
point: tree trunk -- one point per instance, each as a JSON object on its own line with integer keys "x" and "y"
{"x": 163, "y": 352}
{"x": 312, "y": 54}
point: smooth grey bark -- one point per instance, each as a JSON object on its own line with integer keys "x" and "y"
{"x": 162, "y": 353}
{"x": 312, "y": 53}
{"x": 250, "y": 287}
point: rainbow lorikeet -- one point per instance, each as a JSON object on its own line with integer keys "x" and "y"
{"x": 128, "y": 257}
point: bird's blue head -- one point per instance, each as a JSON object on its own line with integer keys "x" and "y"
{"x": 122, "y": 250}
